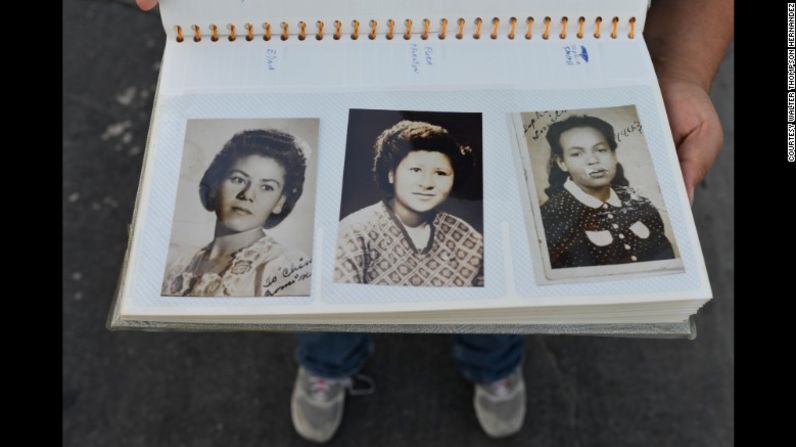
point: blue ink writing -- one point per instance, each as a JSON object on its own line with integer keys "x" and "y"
{"x": 270, "y": 59}
{"x": 415, "y": 60}
{"x": 418, "y": 60}
{"x": 576, "y": 54}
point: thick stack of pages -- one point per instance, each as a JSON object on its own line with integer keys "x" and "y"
{"x": 419, "y": 167}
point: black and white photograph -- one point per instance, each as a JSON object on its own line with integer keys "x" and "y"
{"x": 594, "y": 203}
{"x": 411, "y": 211}
{"x": 244, "y": 211}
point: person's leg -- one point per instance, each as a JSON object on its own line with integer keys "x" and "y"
{"x": 487, "y": 358}
{"x": 493, "y": 363}
{"x": 333, "y": 355}
{"x": 327, "y": 363}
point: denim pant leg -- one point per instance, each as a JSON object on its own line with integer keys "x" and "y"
{"x": 333, "y": 354}
{"x": 487, "y": 358}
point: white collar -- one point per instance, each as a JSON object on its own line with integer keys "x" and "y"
{"x": 590, "y": 200}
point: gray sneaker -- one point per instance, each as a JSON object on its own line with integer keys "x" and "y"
{"x": 500, "y": 405}
{"x": 317, "y": 403}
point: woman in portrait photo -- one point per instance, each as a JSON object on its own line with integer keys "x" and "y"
{"x": 593, "y": 217}
{"x": 252, "y": 184}
{"x": 404, "y": 239}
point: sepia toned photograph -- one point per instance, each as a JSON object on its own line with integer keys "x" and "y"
{"x": 594, "y": 206}
{"x": 411, "y": 211}
{"x": 244, "y": 211}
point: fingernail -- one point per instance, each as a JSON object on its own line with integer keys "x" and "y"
{"x": 691, "y": 194}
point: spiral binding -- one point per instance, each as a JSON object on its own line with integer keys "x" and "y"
{"x": 548, "y": 27}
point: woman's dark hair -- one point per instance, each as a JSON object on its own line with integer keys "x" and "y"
{"x": 556, "y": 176}
{"x": 282, "y": 147}
{"x": 396, "y": 142}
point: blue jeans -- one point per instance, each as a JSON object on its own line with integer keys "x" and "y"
{"x": 479, "y": 358}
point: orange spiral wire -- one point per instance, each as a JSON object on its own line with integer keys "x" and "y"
{"x": 267, "y": 31}
{"x": 443, "y": 26}
{"x": 546, "y": 33}
{"x": 355, "y": 32}
{"x": 338, "y": 25}
{"x": 302, "y": 30}
{"x": 408, "y": 32}
{"x": 478, "y": 23}
{"x": 529, "y": 32}
{"x": 319, "y": 28}
{"x": 373, "y": 26}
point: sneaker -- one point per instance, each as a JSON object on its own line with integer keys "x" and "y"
{"x": 500, "y": 405}
{"x": 317, "y": 403}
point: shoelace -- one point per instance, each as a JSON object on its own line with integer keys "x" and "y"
{"x": 358, "y": 385}
{"x": 503, "y": 388}
{"x": 319, "y": 386}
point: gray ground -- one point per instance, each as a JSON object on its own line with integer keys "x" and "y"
{"x": 144, "y": 389}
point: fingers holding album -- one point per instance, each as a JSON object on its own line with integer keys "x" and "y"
{"x": 146, "y": 5}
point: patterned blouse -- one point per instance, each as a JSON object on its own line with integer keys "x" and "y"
{"x": 264, "y": 268}
{"x": 584, "y": 231}
{"x": 374, "y": 248}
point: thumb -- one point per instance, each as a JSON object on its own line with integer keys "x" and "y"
{"x": 146, "y": 5}
{"x": 697, "y": 152}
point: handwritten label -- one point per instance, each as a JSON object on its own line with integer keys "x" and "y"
{"x": 420, "y": 57}
{"x": 539, "y": 122}
{"x": 287, "y": 271}
{"x": 576, "y": 54}
{"x": 288, "y": 276}
{"x": 271, "y": 58}
{"x": 629, "y": 130}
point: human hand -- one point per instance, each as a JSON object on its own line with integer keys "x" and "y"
{"x": 146, "y": 5}
{"x": 695, "y": 127}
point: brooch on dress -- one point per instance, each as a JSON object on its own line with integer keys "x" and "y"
{"x": 241, "y": 267}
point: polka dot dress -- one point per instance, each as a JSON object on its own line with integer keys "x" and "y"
{"x": 580, "y": 236}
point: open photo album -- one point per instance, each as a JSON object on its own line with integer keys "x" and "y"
{"x": 418, "y": 166}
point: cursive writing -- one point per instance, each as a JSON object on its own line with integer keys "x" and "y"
{"x": 416, "y": 60}
{"x": 270, "y": 58}
{"x": 540, "y": 122}
{"x": 294, "y": 268}
{"x": 629, "y": 130}
{"x": 296, "y": 272}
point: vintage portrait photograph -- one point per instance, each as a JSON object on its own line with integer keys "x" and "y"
{"x": 594, "y": 206}
{"x": 244, "y": 211}
{"x": 411, "y": 211}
